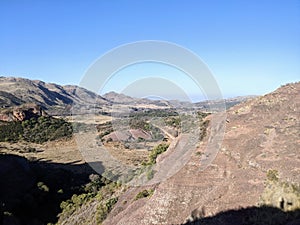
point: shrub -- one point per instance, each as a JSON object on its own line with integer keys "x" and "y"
{"x": 144, "y": 194}
{"x": 156, "y": 152}
{"x": 104, "y": 196}
{"x": 272, "y": 175}
{"x": 203, "y": 129}
{"x": 71, "y": 205}
{"x": 42, "y": 187}
{"x": 150, "y": 174}
{"x": 104, "y": 208}
{"x": 95, "y": 184}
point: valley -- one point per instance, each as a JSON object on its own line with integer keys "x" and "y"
{"x": 70, "y": 156}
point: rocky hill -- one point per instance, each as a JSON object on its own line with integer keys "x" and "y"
{"x": 258, "y": 162}
{"x": 21, "y": 113}
{"x": 119, "y": 98}
{"x": 52, "y": 97}
{"x": 230, "y": 102}
{"x": 64, "y": 100}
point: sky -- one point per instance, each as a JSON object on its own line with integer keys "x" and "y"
{"x": 251, "y": 47}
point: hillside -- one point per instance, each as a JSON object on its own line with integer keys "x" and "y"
{"x": 261, "y": 141}
{"x": 257, "y": 162}
{"x": 64, "y": 100}
{"x": 54, "y": 98}
{"x": 118, "y": 98}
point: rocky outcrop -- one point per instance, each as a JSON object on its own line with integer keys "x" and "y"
{"x": 21, "y": 113}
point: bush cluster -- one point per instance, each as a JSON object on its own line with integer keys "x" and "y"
{"x": 159, "y": 149}
{"x": 173, "y": 121}
{"x": 272, "y": 175}
{"x": 98, "y": 189}
{"x": 37, "y": 130}
{"x": 11, "y": 131}
{"x": 138, "y": 123}
{"x": 152, "y": 113}
{"x": 144, "y": 194}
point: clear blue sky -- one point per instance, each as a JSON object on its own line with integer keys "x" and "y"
{"x": 252, "y": 47}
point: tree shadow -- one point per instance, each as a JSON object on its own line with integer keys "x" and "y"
{"x": 263, "y": 215}
{"x": 31, "y": 191}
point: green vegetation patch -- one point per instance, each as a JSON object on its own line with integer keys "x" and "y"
{"x": 11, "y": 131}
{"x": 99, "y": 189}
{"x": 173, "y": 121}
{"x": 139, "y": 123}
{"x": 159, "y": 149}
{"x": 152, "y": 113}
{"x": 203, "y": 129}
{"x": 104, "y": 208}
{"x": 104, "y": 129}
{"x": 37, "y": 130}
{"x": 144, "y": 194}
{"x": 272, "y": 175}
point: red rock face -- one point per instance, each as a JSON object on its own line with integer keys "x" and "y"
{"x": 4, "y": 117}
{"x": 21, "y": 113}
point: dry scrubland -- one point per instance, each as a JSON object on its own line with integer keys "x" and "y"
{"x": 253, "y": 180}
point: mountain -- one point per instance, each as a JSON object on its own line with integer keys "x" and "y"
{"x": 230, "y": 102}
{"x": 64, "y": 100}
{"x": 119, "y": 98}
{"x": 258, "y": 162}
{"x": 52, "y": 97}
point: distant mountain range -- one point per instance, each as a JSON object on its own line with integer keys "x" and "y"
{"x": 57, "y": 99}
